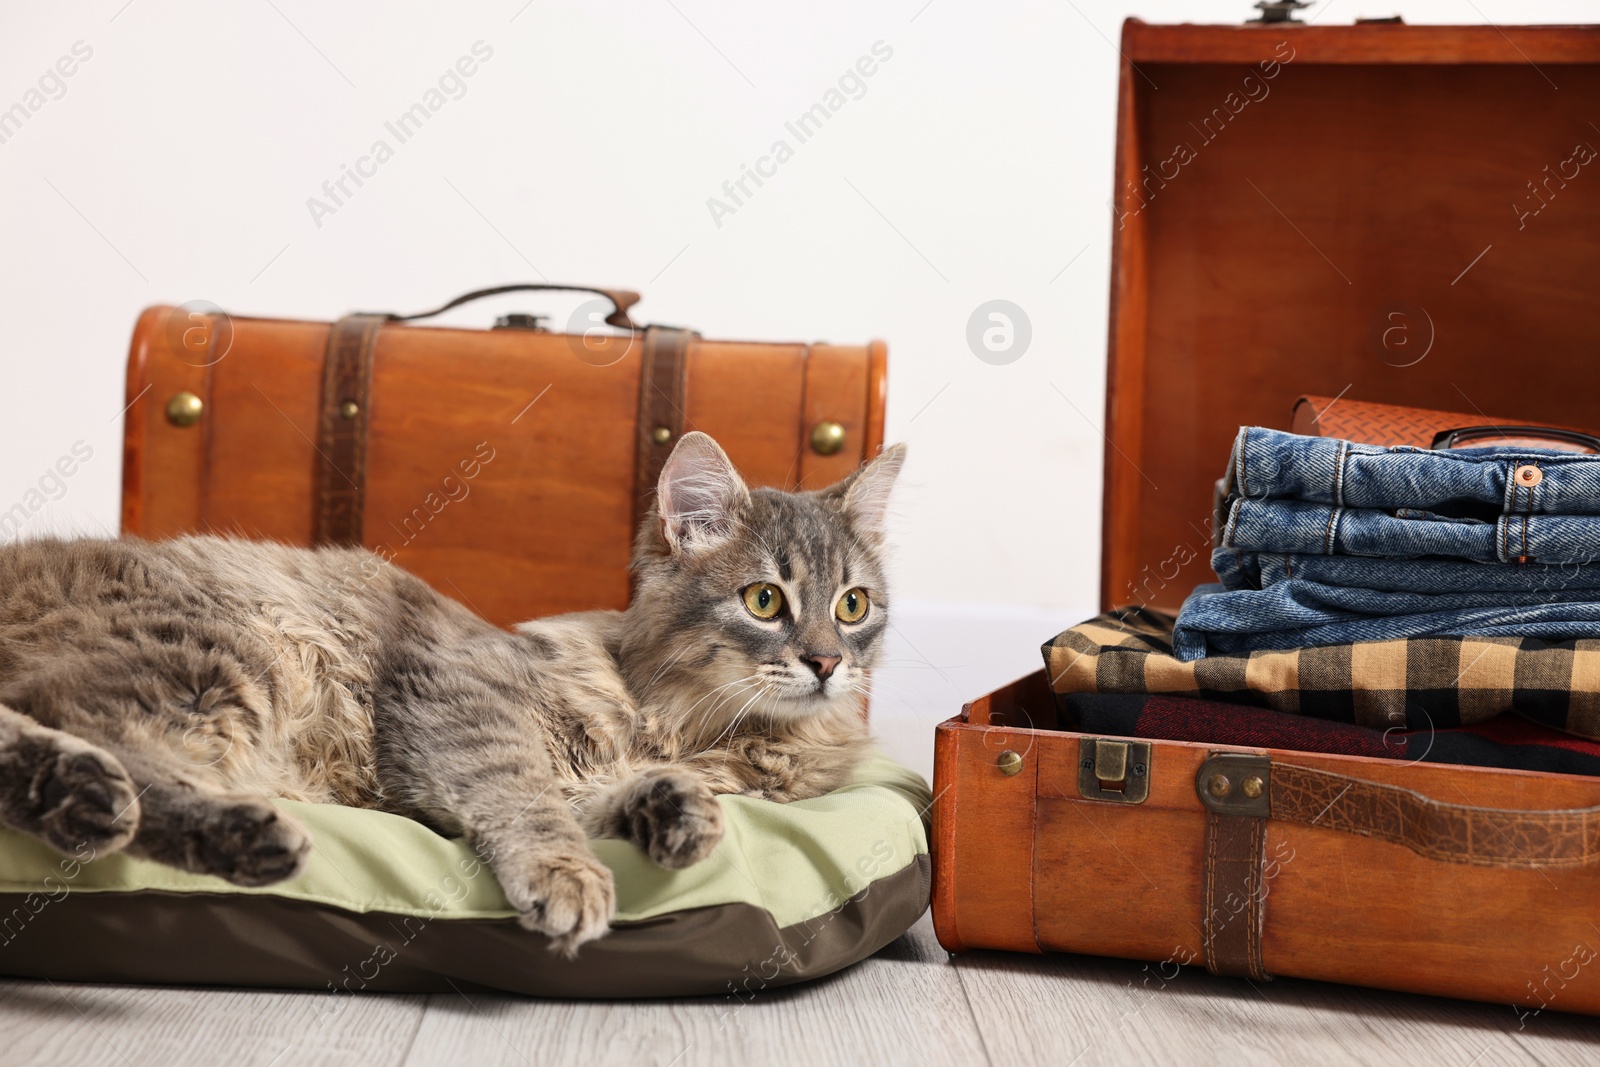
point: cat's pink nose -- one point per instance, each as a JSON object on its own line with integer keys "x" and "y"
{"x": 821, "y": 663}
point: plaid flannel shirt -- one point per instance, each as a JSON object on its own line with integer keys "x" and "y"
{"x": 1414, "y": 683}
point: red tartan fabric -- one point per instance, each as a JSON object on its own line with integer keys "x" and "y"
{"x": 1503, "y": 742}
{"x": 1213, "y": 723}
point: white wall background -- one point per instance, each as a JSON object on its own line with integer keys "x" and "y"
{"x": 976, "y": 165}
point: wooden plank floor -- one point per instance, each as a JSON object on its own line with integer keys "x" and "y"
{"x": 910, "y": 1004}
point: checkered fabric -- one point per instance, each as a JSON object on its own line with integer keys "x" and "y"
{"x": 1416, "y": 683}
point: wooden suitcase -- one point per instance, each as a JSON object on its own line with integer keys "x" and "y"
{"x": 1288, "y": 197}
{"x": 508, "y": 467}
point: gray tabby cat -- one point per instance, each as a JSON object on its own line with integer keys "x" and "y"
{"x": 153, "y": 695}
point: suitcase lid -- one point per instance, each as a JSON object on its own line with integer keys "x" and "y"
{"x": 1408, "y": 214}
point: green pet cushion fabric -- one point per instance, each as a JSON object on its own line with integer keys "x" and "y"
{"x": 793, "y": 892}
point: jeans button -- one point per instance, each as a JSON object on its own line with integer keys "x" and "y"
{"x": 1529, "y": 476}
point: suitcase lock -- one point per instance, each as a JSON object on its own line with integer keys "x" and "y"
{"x": 1114, "y": 770}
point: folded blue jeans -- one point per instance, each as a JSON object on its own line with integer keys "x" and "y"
{"x": 1300, "y": 613}
{"x": 1270, "y": 464}
{"x": 1327, "y": 542}
{"x": 1239, "y": 569}
{"x": 1298, "y": 526}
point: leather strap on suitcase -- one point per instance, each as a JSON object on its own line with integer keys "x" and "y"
{"x": 347, "y": 381}
{"x": 1234, "y": 906}
{"x": 341, "y": 430}
{"x": 1242, "y": 793}
{"x": 661, "y": 382}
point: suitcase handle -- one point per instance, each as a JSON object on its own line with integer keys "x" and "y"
{"x": 1452, "y": 833}
{"x": 621, "y": 301}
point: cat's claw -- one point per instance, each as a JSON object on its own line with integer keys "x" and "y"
{"x": 569, "y": 897}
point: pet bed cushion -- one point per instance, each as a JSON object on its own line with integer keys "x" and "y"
{"x": 793, "y": 892}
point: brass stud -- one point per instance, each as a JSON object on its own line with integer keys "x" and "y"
{"x": 1529, "y": 475}
{"x": 349, "y": 409}
{"x": 1009, "y": 762}
{"x": 660, "y": 435}
{"x": 827, "y": 438}
{"x": 185, "y": 409}
{"x": 1252, "y": 786}
{"x": 1218, "y": 785}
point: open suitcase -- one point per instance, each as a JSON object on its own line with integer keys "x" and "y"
{"x": 508, "y": 467}
{"x": 1379, "y": 212}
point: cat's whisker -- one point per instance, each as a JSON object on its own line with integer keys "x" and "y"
{"x": 886, "y": 684}
{"x": 725, "y": 685}
{"x": 732, "y": 726}
{"x": 729, "y": 698}
{"x": 663, "y": 668}
{"x": 713, "y": 692}
{"x": 761, "y": 689}
{"x": 724, "y": 698}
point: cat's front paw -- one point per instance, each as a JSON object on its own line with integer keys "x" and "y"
{"x": 675, "y": 819}
{"x": 567, "y": 895}
{"x": 82, "y": 798}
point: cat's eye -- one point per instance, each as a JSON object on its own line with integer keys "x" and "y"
{"x": 852, "y": 607}
{"x": 764, "y": 600}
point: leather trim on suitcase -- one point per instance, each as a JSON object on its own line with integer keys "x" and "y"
{"x": 342, "y": 430}
{"x": 1452, "y": 833}
{"x": 1235, "y": 896}
{"x": 661, "y": 402}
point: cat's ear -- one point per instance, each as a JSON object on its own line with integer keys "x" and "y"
{"x": 700, "y": 496}
{"x": 865, "y": 494}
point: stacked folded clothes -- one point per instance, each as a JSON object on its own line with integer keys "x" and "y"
{"x": 1440, "y": 699}
{"x": 1323, "y": 541}
{"x": 1417, "y": 683}
{"x": 1375, "y": 601}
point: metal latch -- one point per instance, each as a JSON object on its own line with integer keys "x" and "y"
{"x": 1113, "y": 769}
{"x": 521, "y": 320}
{"x": 1278, "y": 12}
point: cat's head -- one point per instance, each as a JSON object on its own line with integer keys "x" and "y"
{"x": 758, "y": 602}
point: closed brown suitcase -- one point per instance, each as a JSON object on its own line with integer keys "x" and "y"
{"x": 508, "y": 467}
{"x": 1382, "y": 169}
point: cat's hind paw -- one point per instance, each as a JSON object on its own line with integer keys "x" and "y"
{"x": 251, "y": 843}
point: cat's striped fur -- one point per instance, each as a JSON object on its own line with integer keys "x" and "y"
{"x": 154, "y": 695}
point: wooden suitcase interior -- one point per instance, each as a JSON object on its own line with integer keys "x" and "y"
{"x": 1349, "y": 232}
